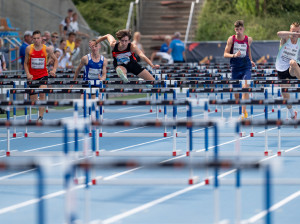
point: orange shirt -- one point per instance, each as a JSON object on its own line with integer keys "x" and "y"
{"x": 37, "y": 63}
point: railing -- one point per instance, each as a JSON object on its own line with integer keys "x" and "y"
{"x": 15, "y": 43}
{"x": 190, "y": 21}
{"x": 133, "y": 19}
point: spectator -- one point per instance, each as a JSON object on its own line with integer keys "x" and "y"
{"x": 74, "y": 26}
{"x": 137, "y": 42}
{"x": 71, "y": 41}
{"x": 163, "y": 53}
{"x": 176, "y": 48}
{"x": 47, "y": 37}
{"x": 2, "y": 59}
{"x": 54, "y": 38}
{"x": 65, "y": 55}
{"x": 27, "y": 40}
{"x": 76, "y": 51}
{"x": 63, "y": 22}
{"x": 5, "y": 50}
{"x": 51, "y": 61}
{"x": 67, "y": 28}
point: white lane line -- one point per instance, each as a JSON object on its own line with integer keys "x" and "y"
{"x": 273, "y": 208}
{"x": 177, "y": 193}
{"x": 33, "y": 201}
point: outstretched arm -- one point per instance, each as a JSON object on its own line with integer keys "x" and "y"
{"x": 136, "y": 50}
{"x": 250, "y": 55}
{"x": 112, "y": 41}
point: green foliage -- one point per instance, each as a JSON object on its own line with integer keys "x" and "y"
{"x": 104, "y": 16}
{"x": 262, "y": 20}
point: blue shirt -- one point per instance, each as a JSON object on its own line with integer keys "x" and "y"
{"x": 177, "y": 47}
{"x": 93, "y": 69}
{"x": 164, "y": 48}
{"x": 22, "y": 53}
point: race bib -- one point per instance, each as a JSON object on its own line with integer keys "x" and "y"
{"x": 123, "y": 58}
{"x": 289, "y": 53}
{"x": 37, "y": 63}
{"x": 240, "y": 47}
{"x": 93, "y": 73}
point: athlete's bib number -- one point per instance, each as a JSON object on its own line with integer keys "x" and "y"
{"x": 122, "y": 59}
{"x": 93, "y": 73}
{"x": 289, "y": 54}
{"x": 240, "y": 47}
{"x": 38, "y": 63}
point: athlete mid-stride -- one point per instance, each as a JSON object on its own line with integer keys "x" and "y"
{"x": 287, "y": 61}
{"x": 124, "y": 56}
{"x": 239, "y": 52}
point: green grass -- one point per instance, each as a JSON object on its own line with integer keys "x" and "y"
{"x": 129, "y": 97}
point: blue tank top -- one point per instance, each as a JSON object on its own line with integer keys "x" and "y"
{"x": 93, "y": 69}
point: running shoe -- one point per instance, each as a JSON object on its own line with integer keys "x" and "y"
{"x": 40, "y": 119}
{"x": 149, "y": 86}
{"x": 121, "y": 75}
{"x": 245, "y": 115}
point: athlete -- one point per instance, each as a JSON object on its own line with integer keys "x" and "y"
{"x": 286, "y": 61}
{"x": 35, "y": 65}
{"x": 95, "y": 64}
{"x": 124, "y": 56}
{"x": 239, "y": 52}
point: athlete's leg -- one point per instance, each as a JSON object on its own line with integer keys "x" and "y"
{"x": 42, "y": 97}
{"x": 294, "y": 69}
{"x": 122, "y": 73}
{"x": 146, "y": 75}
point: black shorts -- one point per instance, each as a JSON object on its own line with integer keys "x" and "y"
{"x": 132, "y": 67}
{"x": 45, "y": 78}
{"x": 286, "y": 74}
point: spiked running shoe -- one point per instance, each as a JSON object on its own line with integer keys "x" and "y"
{"x": 121, "y": 75}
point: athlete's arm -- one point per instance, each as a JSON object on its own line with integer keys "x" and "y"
{"x": 112, "y": 41}
{"x": 29, "y": 76}
{"x": 287, "y": 34}
{"x": 228, "y": 48}
{"x": 82, "y": 63}
{"x": 104, "y": 71}
{"x": 250, "y": 55}
{"x": 135, "y": 49}
{"x": 53, "y": 57}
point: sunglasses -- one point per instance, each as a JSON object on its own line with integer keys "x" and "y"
{"x": 55, "y": 36}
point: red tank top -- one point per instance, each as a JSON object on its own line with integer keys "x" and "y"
{"x": 37, "y": 63}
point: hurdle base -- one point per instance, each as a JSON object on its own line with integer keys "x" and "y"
{"x": 280, "y": 152}
{"x": 216, "y": 110}
{"x": 14, "y": 135}
{"x": 242, "y": 134}
{"x": 193, "y": 180}
{"x": 7, "y": 153}
{"x": 26, "y": 135}
{"x": 251, "y": 134}
{"x": 94, "y": 181}
{"x": 206, "y": 181}
{"x": 268, "y": 153}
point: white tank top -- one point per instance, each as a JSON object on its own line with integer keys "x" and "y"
{"x": 287, "y": 52}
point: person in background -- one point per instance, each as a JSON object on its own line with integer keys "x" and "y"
{"x": 74, "y": 26}
{"x": 27, "y": 41}
{"x": 2, "y": 59}
{"x": 76, "y": 51}
{"x": 71, "y": 41}
{"x": 63, "y": 22}
{"x": 47, "y": 37}
{"x": 54, "y": 40}
{"x": 137, "y": 42}
{"x": 163, "y": 53}
{"x": 176, "y": 48}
